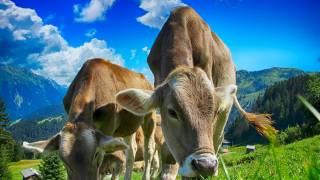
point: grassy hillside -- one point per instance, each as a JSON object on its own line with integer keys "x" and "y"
{"x": 299, "y": 160}
{"x": 251, "y": 84}
{"x": 16, "y": 167}
{"x": 282, "y": 102}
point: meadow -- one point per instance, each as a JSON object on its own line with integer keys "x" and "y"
{"x": 16, "y": 167}
{"x": 298, "y": 160}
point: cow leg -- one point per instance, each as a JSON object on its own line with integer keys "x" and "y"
{"x": 115, "y": 176}
{"x": 155, "y": 165}
{"x": 130, "y": 155}
{"x": 169, "y": 171}
{"x": 117, "y": 170}
{"x": 148, "y": 128}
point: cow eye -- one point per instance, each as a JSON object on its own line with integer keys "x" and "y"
{"x": 172, "y": 113}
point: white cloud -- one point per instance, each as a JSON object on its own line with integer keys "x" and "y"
{"x": 76, "y": 8}
{"x": 157, "y": 11}
{"x": 93, "y": 11}
{"x": 133, "y": 53}
{"x": 49, "y": 17}
{"x": 146, "y": 50}
{"x": 24, "y": 33}
{"x": 91, "y": 32}
{"x": 63, "y": 65}
{"x": 40, "y": 47}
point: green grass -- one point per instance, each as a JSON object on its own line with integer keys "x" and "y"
{"x": 299, "y": 160}
{"x": 16, "y": 167}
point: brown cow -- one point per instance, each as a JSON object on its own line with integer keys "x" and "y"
{"x": 92, "y": 114}
{"x": 195, "y": 79}
{"x": 114, "y": 162}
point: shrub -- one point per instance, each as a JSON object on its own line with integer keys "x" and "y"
{"x": 295, "y": 133}
{"x": 51, "y": 167}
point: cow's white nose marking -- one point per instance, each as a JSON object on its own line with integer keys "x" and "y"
{"x": 187, "y": 170}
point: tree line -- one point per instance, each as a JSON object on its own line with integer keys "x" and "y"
{"x": 290, "y": 116}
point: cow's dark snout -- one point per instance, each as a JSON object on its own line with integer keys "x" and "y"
{"x": 205, "y": 166}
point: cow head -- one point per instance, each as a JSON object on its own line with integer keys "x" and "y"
{"x": 189, "y": 106}
{"x": 81, "y": 149}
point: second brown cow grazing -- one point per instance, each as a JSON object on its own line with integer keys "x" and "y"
{"x": 195, "y": 90}
{"x": 95, "y": 121}
{"x": 114, "y": 162}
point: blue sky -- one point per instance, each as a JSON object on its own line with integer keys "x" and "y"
{"x": 54, "y": 37}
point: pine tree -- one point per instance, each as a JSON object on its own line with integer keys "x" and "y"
{"x": 6, "y": 141}
{"x": 4, "y": 120}
{"x": 51, "y": 167}
{"x": 4, "y": 170}
{"x": 3, "y": 123}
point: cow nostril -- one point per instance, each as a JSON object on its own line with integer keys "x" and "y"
{"x": 205, "y": 167}
{"x": 194, "y": 164}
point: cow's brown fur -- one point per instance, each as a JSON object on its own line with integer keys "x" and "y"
{"x": 94, "y": 120}
{"x": 184, "y": 49}
{"x": 117, "y": 159}
{"x": 91, "y": 97}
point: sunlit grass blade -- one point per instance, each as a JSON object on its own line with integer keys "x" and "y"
{"x": 224, "y": 168}
{"x": 310, "y": 107}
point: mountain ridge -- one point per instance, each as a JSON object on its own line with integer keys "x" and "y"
{"x": 24, "y": 91}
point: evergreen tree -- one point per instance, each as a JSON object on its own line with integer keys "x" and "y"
{"x": 7, "y": 143}
{"x": 4, "y": 170}
{"x": 4, "y": 120}
{"x": 17, "y": 152}
{"x": 51, "y": 167}
{"x": 287, "y": 110}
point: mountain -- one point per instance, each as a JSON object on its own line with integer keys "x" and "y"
{"x": 26, "y": 93}
{"x": 253, "y": 83}
{"x": 281, "y": 101}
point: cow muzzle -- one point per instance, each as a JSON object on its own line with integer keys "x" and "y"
{"x": 196, "y": 165}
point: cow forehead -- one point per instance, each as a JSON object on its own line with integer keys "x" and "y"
{"x": 194, "y": 91}
{"x": 67, "y": 143}
{"x": 195, "y": 102}
{"x": 192, "y": 80}
{"x": 83, "y": 139}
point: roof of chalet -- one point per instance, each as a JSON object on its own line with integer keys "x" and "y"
{"x": 29, "y": 172}
{"x": 225, "y": 141}
{"x": 251, "y": 147}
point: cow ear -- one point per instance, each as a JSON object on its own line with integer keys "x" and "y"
{"x": 226, "y": 94}
{"x": 109, "y": 144}
{"x": 137, "y": 101}
{"x": 49, "y": 145}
